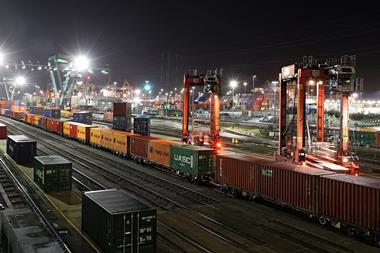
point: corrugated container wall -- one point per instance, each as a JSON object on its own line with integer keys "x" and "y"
{"x": 3, "y": 131}
{"x": 83, "y": 117}
{"x": 39, "y": 110}
{"x": 355, "y": 200}
{"x": 21, "y": 148}
{"x": 95, "y": 136}
{"x": 117, "y": 222}
{"x": 106, "y": 138}
{"x": 52, "y": 173}
{"x": 141, "y": 125}
{"x": 52, "y": 113}
{"x": 122, "y": 109}
{"x": 121, "y": 142}
{"x": 83, "y": 132}
{"x": 138, "y": 145}
{"x": 122, "y": 123}
{"x": 159, "y": 151}
{"x": 193, "y": 160}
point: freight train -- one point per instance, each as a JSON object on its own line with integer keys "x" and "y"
{"x": 343, "y": 201}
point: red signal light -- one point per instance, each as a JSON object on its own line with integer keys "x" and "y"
{"x": 218, "y": 145}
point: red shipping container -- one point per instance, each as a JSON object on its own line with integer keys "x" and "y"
{"x": 378, "y": 139}
{"x": 280, "y": 182}
{"x": 50, "y": 125}
{"x": 73, "y": 129}
{"x": 354, "y": 200}
{"x": 58, "y": 126}
{"x": 3, "y": 131}
{"x": 121, "y": 109}
{"x": 139, "y": 145}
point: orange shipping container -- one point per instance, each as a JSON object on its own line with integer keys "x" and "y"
{"x": 106, "y": 139}
{"x": 159, "y": 151}
{"x": 121, "y": 142}
{"x": 35, "y": 120}
{"x": 95, "y": 136}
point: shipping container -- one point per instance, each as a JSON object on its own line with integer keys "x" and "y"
{"x": 95, "y": 136}
{"x": 3, "y": 131}
{"x": 84, "y": 132}
{"x": 117, "y": 222}
{"x": 4, "y": 104}
{"x": 74, "y": 130}
{"x": 21, "y": 148}
{"x": 38, "y": 110}
{"x": 122, "y": 123}
{"x": 280, "y": 182}
{"x": 121, "y": 142}
{"x": 6, "y": 112}
{"x": 29, "y": 118}
{"x": 36, "y": 120}
{"x": 66, "y": 114}
{"x": 52, "y": 113}
{"x": 353, "y": 200}
{"x": 159, "y": 151}
{"x": 52, "y": 173}
{"x": 141, "y": 125}
{"x": 18, "y": 115}
{"x": 108, "y": 117}
{"x": 67, "y": 128}
{"x": 83, "y": 117}
{"x": 106, "y": 138}
{"x": 42, "y": 122}
{"x": 138, "y": 146}
{"x": 55, "y": 125}
{"x": 122, "y": 109}
{"x": 18, "y": 108}
{"x": 193, "y": 160}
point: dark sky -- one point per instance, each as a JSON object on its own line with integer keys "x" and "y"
{"x": 242, "y": 37}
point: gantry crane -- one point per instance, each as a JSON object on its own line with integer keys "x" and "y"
{"x": 211, "y": 82}
{"x": 341, "y": 79}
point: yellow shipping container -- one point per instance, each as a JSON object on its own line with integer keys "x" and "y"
{"x": 159, "y": 151}
{"x": 36, "y": 118}
{"x": 84, "y": 132}
{"x": 66, "y": 128}
{"x": 121, "y": 142}
{"x": 106, "y": 139}
{"x": 95, "y": 136}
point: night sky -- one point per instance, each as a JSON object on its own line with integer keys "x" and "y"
{"x": 242, "y": 37}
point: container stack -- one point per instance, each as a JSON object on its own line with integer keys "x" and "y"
{"x": 83, "y": 117}
{"x": 21, "y": 148}
{"x": 38, "y": 110}
{"x": 117, "y": 222}
{"x": 141, "y": 125}
{"x": 122, "y": 114}
{"x": 52, "y": 173}
{"x": 52, "y": 113}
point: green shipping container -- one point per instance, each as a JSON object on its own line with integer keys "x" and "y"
{"x": 193, "y": 160}
{"x": 52, "y": 173}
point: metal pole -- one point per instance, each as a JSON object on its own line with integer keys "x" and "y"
{"x": 253, "y": 82}
{"x": 233, "y": 102}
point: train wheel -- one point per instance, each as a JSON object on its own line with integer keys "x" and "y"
{"x": 322, "y": 220}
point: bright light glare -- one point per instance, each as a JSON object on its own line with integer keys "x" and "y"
{"x": 20, "y": 80}
{"x": 136, "y": 100}
{"x": 137, "y": 91}
{"x": 355, "y": 95}
{"x": 81, "y": 63}
{"x": 2, "y": 58}
{"x": 233, "y": 84}
{"x": 147, "y": 87}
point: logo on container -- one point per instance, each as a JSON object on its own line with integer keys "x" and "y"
{"x": 184, "y": 159}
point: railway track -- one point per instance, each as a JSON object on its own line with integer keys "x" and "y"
{"x": 19, "y": 197}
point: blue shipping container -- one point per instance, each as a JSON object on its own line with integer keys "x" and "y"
{"x": 52, "y": 113}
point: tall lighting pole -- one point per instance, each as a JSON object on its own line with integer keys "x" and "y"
{"x": 245, "y": 86}
{"x": 253, "y": 82}
{"x": 233, "y": 85}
